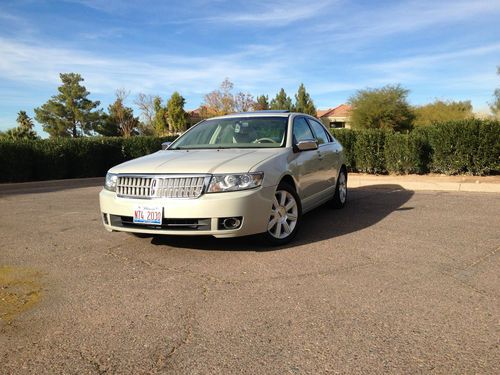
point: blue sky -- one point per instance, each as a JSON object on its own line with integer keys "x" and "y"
{"x": 437, "y": 49}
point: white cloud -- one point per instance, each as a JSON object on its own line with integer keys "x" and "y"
{"x": 37, "y": 63}
{"x": 362, "y": 26}
{"x": 273, "y": 14}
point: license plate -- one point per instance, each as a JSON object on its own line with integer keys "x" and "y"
{"x": 148, "y": 215}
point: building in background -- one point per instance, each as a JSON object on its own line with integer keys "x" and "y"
{"x": 338, "y": 117}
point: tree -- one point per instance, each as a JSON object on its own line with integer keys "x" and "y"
{"x": 303, "y": 102}
{"x": 176, "y": 114}
{"x": 441, "y": 111}
{"x": 383, "y": 108}
{"x": 69, "y": 113}
{"x": 262, "y": 103}
{"x": 120, "y": 120}
{"x": 219, "y": 102}
{"x": 24, "y": 129}
{"x": 495, "y": 106}
{"x": 160, "y": 120}
{"x": 282, "y": 101}
{"x": 243, "y": 102}
{"x": 145, "y": 103}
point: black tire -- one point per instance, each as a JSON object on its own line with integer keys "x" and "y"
{"x": 340, "y": 196}
{"x": 271, "y": 238}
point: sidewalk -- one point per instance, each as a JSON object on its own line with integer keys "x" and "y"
{"x": 486, "y": 184}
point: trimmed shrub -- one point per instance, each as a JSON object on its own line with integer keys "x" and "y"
{"x": 406, "y": 153}
{"x": 347, "y": 139}
{"x": 369, "y": 151}
{"x": 60, "y": 158}
{"x": 468, "y": 146}
{"x": 16, "y": 160}
{"x": 465, "y": 147}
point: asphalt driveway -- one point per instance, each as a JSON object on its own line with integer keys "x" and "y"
{"x": 397, "y": 282}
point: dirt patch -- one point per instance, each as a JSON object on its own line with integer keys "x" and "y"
{"x": 20, "y": 290}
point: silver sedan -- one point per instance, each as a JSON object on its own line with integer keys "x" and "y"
{"x": 236, "y": 175}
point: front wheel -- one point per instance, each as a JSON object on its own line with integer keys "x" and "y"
{"x": 285, "y": 216}
{"x": 340, "y": 196}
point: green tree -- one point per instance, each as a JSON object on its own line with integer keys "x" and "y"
{"x": 495, "y": 106}
{"x": 160, "y": 120}
{"x": 383, "y": 108}
{"x": 177, "y": 117}
{"x": 282, "y": 101}
{"x": 441, "y": 111}
{"x": 262, "y": 103}
{"x": 120, "y": 120}
{"x": 303, "y": 102}
{"x": 24, "y": 129}
{"x": 69, "y": 113}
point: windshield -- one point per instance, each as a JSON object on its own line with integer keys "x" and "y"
{"x": 235, "y": 132}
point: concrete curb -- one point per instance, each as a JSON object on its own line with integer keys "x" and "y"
{"x": 429, "y": 183}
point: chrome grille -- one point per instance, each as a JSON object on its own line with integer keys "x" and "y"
{"x": 146, "y": 187}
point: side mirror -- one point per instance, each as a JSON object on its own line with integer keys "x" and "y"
{"x": 165, "y": 145}
{"x": 307, "y": 145}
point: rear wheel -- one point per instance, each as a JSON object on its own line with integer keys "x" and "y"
{"x": 340, "y": 196}
{"x": 285, "y": 215}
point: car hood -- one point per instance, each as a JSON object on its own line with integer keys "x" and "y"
{"x": 198, "y": 161}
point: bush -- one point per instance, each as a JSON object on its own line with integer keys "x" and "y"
{"x": 347, "y": 139}
{"x": 16, "y": 160}
{"x": 465, "y": 147}
{"x": 369, "y": 151}
{"x": 60, "y": 158}
{"x": 406, "y": 153}
{"x": 468, "y": 146}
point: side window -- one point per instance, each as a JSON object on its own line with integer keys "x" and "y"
{"x": 321, "y": 134}
{"x": 301, "y": 130}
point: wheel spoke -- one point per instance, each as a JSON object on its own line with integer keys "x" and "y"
{"x": 272, "y": 223}
{"x": 283, "y": 198}
{"x": 291, "y": 216}
{"x": 290, "y": 204}
{"x": 275, "y": 203}
{"x": 286, "y": 227}
{"x": 277, "y": 232}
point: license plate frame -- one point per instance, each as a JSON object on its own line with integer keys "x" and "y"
{"x": 147, "y": 215}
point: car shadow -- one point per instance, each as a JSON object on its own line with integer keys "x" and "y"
{"x": 365, "y": 207}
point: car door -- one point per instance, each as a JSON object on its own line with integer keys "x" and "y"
{"x": 305, "y": 165}
{"x": 328, "y": 153}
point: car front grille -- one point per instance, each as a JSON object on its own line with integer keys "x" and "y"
{"x": 147, "y": 187}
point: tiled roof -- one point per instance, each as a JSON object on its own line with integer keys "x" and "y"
{"x": 340, "y": 111}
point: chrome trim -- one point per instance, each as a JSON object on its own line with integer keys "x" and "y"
{"x": 157, "y": 186}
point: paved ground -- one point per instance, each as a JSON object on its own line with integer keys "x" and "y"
{"x": 397, "y": 282}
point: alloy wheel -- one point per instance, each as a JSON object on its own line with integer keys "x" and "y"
{"x": 284, "y": 215}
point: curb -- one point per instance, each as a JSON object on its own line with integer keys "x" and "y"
{"x": 425, "y": 184}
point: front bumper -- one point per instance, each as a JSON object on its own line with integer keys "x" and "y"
{"x": 253, "y": 206}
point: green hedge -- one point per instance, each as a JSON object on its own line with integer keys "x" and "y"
{"x": 459, "y": 147}
{"x": 61, "y": 158}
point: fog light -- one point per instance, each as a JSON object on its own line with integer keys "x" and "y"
{"x": 105, "y": 218}
{"x": 230, "y": 222}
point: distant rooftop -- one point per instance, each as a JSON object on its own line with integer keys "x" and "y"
{"x": 339, "y": 111}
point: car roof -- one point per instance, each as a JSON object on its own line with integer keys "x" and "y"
{"x": 267, "y": 113}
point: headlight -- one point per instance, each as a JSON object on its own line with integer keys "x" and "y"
{"x": 110, "y": 183}
{"x": 233, "y": 182}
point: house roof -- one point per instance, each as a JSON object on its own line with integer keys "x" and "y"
{"x": 340, "y": 111}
